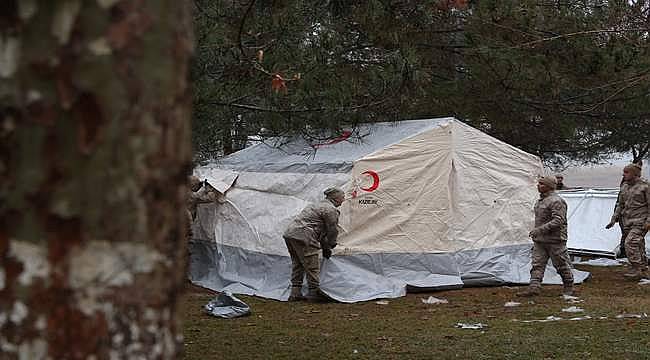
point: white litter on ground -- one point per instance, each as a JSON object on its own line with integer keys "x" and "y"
{"x": 555, "y": 318}
{"x": 433, "y": 300}
{"x": 477, "y": 326}
{"x": 586, "y": 317}
{"x": 511, "y": 304}
{"x": 573, "y": 309}
{"x": 549, "y": 318}
{"x": 572, "y": 299}
{"x": 644, "y": 281}
{"x": 632, "y": 316}
{"x": 381, "y": 302}
{"x": 600, "y": 262}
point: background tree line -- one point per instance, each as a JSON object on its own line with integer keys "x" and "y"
{"x": 560, "y": 79}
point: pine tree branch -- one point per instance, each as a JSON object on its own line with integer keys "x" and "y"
{"x": 575, "y": 34}
{"x": 612, "y": 95}
{"x": 287, "y": 111}
{"x": 241, "y": 29}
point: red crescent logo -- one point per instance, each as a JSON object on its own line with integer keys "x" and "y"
{"x": 375, "y": 181}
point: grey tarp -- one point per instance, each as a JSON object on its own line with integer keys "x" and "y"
{"x": 227, "y": 306}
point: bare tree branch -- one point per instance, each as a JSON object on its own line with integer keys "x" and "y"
{"x": 286, "y": 111}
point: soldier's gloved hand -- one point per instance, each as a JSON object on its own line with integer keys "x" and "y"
{"x": 327, "y": 253}
{"x": 609, "y": 226}
{"x": 535, "y": 233}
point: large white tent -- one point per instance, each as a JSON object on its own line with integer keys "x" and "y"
{"x": 431, "y": 204}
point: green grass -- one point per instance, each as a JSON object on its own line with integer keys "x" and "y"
{"x": 408, "y": 329}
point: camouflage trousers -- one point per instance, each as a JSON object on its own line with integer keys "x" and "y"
{"x": 635, "y": 248}
{"x": 559, "y": 255}
{"x": 304, "y": 260}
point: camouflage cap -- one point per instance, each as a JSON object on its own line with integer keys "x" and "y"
{"x": 634, "y": 168}
{"x": 193, "y": 180}
{"x": 194, "y": 183}
{"x": 549, "y": 181}
{"x": 333, "y": 191}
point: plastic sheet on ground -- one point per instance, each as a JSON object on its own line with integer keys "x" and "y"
{"x": 586, "y": 317}
{"x": 433, "y": 300}
{"x": 644, "y": 281}
{"x": 225, "y": 305}
{"x": 475, "y": 326}
{"x": 632, "y": 316}
{"x": 572, "y": 299}
{"x": 511, "y": 304}
{"x": 600, "y": 262}
{"x": 549, "y": 318}
{"x": 573, "y": 309}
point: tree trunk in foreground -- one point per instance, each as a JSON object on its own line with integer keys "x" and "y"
{"x": 94, "y": 148}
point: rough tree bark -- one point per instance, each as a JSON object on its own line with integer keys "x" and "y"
{"x": 94, "y": 148}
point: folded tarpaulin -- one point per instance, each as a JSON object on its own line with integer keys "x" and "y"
{"x": 227, "y": 306}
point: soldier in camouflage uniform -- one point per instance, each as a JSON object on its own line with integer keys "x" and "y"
{"x": 199, "y": 193}
{"x": 315, "y": 228}
{"x": 549, "y": 239}
{"x": 635, "y": 212}
{"x": 618, "y": 218}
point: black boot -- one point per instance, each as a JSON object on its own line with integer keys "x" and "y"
{"x": 296, "y": 294}
{"x": 568, "y": 290}
{"x": 530, "y": 291}
{"x": 316, "y": 295}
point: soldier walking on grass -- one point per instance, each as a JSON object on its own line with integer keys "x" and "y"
{"x": 315, "y": 228}
{"x": 549, "y": 238}
{"x": 617, "y": 217}
{"x": 634, "y": 208}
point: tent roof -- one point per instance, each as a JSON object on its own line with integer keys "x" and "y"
{"x": 337, "y": 155}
